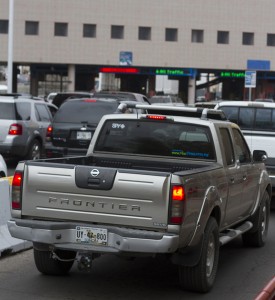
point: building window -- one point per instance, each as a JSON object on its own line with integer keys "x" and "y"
{"x": 89, "y": 30}
{"x": 4, "y": 26}
{"x": 248, "y": 38}
{"x": 197, "y": 36}
{"x": 223, "y": 37}
{"x": 144, "y": 33}
{"x": 270, "y": 39}
{"x": 60, "y": 29}
{"x": 171, "y": 34}
{"x": 31, "y": 28}
{"x": 117, "y": 32}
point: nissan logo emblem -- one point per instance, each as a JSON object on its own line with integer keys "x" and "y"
{"x": 94, "y": 172}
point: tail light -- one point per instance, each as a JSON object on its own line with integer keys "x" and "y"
{"x": 177, "y": 204}
{"x": 49, "y": 133}
{"x": 16, "y": 190}
{"x": 16, "y": 129}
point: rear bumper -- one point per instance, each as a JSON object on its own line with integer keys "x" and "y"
{"x": 53, "y": 152}
{"x": 62, "y": 235}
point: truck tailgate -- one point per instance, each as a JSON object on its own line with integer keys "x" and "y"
{"x": 74, "y": 193}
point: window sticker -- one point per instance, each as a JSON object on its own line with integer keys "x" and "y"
{"x": 118, "y": 126}
{"x": 179, "y": 152}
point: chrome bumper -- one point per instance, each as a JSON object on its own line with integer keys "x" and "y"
{"x": 120, "y": 240}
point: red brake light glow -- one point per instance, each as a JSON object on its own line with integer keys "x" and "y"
{"x": 16, "y": 190}
{"x": 177, "y": 204}
{"x": 16, "y": 129}
{"x": 17, "y": 178}
{"x": 49, "y": 133}
{"x": 156, "y": 117}
{"x": 178, "y": 193}
{"x": 90, "y": 100}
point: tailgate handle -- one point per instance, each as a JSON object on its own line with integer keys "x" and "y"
{"x": 92, "y": 181}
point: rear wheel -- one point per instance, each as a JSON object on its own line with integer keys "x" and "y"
{"x": 35, "y": 150}
{"x": 201, "y": 277}
{"x": 256, "y": 237}
{"x": 48, "y": 265}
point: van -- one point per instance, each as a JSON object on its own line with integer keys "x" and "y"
{"x": 257, "y": 122}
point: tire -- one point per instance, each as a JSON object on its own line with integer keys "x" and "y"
{"x": 48, "y": 265}
{"x": 201, "y": 277}
{"x": 256, "y": 237}
{"x": 35, "y": 151}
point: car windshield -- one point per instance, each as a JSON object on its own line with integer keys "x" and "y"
{"x": 88, "y": 110}
{"x": 157, "y": 138}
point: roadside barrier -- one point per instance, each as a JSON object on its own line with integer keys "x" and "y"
{"x": 8, "y": 244}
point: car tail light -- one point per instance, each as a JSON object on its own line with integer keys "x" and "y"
{"x": 156, "y": 117}
{"x": 177, "y": 204}
{"x": 49, "y": 133}
{"x": 16, "y": 129}
{"x": 16, "y": 190}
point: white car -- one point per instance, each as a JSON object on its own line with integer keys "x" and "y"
{"x": 3, "y": 167}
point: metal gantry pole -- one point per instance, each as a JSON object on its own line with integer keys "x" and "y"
{"x": 10, "y": 46}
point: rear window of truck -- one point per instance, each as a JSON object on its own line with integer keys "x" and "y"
{"x": 157, "y": 138}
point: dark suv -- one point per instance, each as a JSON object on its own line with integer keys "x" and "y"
{"x": 23, "y": 126}
{"x": 61, "y": 97}
{"x": 74, "y": 124}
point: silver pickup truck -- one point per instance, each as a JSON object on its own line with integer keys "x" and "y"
{"x": 178, "y": 181}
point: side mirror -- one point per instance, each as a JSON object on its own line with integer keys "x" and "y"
{"x": 259, "y": 156}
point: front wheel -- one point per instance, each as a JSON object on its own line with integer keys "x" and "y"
{"x": 256, "y": 237}
{"x": 48, "y": 265}
{"x": 201, "y": 277}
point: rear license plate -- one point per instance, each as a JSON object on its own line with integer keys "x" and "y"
{"x": 90, "y": 235}
{"x": 83, "y": 135}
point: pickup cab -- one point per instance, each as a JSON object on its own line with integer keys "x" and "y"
{"x": 174, "y": 181}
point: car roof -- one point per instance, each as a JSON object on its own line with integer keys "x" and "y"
{"x": 245, "y": 104}
{"x": 61, "y": 97}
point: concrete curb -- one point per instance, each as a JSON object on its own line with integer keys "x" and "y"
{"x": 268, "y": 292}
{"x": 8, "y": 244}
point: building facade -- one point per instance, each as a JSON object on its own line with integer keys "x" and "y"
{"x": 71, "y": 42}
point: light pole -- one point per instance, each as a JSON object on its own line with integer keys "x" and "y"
{"x": 10, "y": 46}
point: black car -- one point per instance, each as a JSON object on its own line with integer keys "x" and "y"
{"x": 61, "y": 97}
{"x": 74, "y": 124}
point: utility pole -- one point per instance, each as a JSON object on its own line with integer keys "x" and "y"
{"x": 10, "y": 46}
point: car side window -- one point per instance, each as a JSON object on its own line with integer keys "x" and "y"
{"x": 231, "y": 112}
{"x": 227, "y": 145}
{"x": 246, "y": 117}
{"x": 23, "y": 111}
{"x": 242, "y": 151}
{"x": 42, "y": 113}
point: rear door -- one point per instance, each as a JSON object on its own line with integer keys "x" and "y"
{"x": 249, "y": 172}
{"x": 43, "y": 117}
